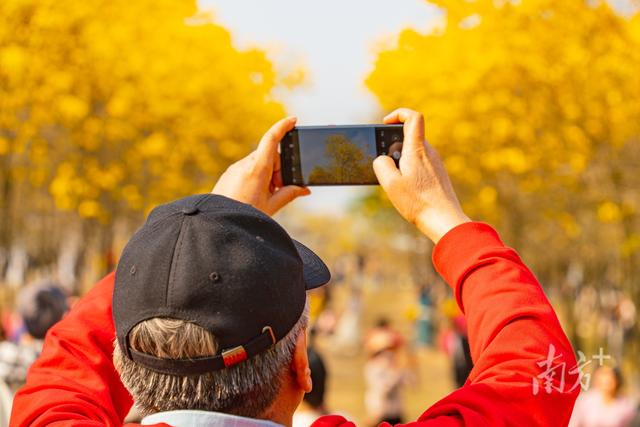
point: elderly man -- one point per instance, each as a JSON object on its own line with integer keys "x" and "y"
{"x": 208, "y": 312}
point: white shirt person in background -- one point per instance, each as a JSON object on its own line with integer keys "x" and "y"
{"x": 604, "y": 405}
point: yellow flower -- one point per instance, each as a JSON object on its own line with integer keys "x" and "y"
{"x": 609, "y": 212}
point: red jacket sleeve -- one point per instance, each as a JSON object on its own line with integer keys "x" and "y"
{"x": 73, "y": 382}
{"x": 512, "y": 328}
{"x": 513, "y": 331}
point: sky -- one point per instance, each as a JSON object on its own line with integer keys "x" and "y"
{"x": 335, "y": 41}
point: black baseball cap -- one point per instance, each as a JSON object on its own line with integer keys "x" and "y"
{"x": 220, "y": 264}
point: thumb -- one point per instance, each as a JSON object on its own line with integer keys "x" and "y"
{"x": 386, "y": 171}
{"x": 285, "y": 195}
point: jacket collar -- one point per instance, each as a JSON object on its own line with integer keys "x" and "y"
{"x": 191, "y": 418}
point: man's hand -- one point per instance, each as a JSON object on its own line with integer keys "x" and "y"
{"x": 256, "y": 179}
{"x": 420, "y": 190}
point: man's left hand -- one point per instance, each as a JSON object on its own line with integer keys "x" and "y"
{"x": 256, "y": 179}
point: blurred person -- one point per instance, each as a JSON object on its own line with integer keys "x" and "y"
{"x": 327, "y": 321}
{"x": 324, "y": 321}
{"x": 384, "y": 374}
{"x": 604, "y": 405}
{"x": 339, "y": 270}
{"x": 6, "y": 396}
{"x": 321, "y": 314}
{"x": 39, "y": 306}
{"x": 12, "y": 325}
{"x": 348, "y": 331}
{"x": 5, "y": 404}
{"x": 192, "y": 343}
{"x": 424, "y": 322}
{"x": 382, "y": 334}
{"x": 455, "y": 342}
{"x": 623, "y": 321}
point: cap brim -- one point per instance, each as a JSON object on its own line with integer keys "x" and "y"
{"x": 315, "y": 271}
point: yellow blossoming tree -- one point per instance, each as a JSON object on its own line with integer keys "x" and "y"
{"x": 535, "y": 107}
{"x": 110, "y": 107}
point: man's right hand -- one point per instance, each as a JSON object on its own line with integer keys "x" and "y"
{"x": 256, "y": 179}
{"x": 420, "y": 190}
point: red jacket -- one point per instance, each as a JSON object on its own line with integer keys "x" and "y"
{"x": 512, "y": 328}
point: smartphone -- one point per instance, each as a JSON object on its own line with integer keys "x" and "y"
{"x": 337, "y": 155}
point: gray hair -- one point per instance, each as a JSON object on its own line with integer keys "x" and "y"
{"x": 247, "y": 389}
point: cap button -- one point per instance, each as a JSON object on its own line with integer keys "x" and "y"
{"x": 191, "y": 210}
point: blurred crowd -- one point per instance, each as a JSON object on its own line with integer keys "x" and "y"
{"x": 389, "y": 348}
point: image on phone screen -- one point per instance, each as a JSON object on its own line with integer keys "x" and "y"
{"x": 336, "y": 155}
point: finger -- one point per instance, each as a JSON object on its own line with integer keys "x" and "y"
{"x": 386, "y": 171}
{"x": 413, "y": 129}
{"x": 248, "y": 160}
{"x": 399, "y": 115}
{"x": 285, "y": 195}
{"x": 268, "y": 146}
{"x": 392, "y": 117}
{"x": 276, "y": 179}
{"x": 276, "y": 161}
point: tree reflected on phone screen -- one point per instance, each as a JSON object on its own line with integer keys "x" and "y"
{"x": 347, "y": 163}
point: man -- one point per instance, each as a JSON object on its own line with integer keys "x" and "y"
{"x": 191, "y": 351}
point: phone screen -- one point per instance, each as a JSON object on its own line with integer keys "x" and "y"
{"x": 336, "y": 155}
